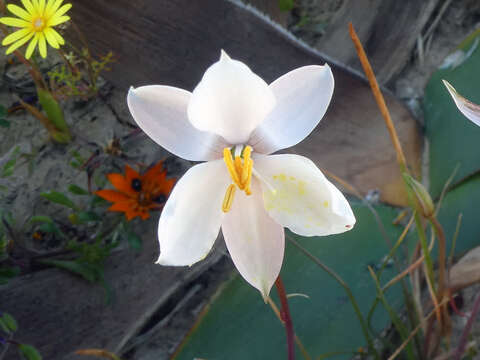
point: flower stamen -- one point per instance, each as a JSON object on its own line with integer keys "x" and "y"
{"x": 228, "y": 199}
{"x": 240, "y": 172}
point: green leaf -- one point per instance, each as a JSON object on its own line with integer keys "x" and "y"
{"x": 7, "y": 273}
{"x": 134, "y": 241}
{"x": 4, "y": 123}
{"x": 9, "y": 167}
{"x": 325, "y": 322}
{"x": 10, "y": 322}
{"x": 52, "y": 109}
{"x": 59, "y": 198}
{"x": 89, "y": 272}
{"x": 286, "y": 5}
{"x": 453, "y": 139}
{"x": 28, "y": 352}
{"x": 41, "y": 219}
{"x": 87, "y": 216}
{"x": 77, "y": 190}
{"x": 3, "y": 112}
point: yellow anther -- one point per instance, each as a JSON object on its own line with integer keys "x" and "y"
{"x": 240, "y": 171}
{"x": 227, "y": 157}
{"x": 228, "y": 199}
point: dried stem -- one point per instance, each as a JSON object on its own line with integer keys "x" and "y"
{"x": 285, "y": 313}
{"x": 466, "y": 331}
{"x": 378, "y": 98}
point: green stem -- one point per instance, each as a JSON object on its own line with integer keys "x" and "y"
{"x": 354, "y": 303}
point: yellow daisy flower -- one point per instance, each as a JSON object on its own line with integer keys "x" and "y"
{"x": 37, "y": 20}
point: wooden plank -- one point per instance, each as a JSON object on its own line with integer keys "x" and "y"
{"x": 388, "y": 29}
{"x": 60, "y": 313}
{"x": 173, "y": 42}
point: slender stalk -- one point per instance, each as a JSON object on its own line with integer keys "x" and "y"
{"x": 378, "y": 97}
{"x": 300, "y": 345}
{"x": 347, "y": 289}
{"x": 466, "y": 331}
{"x": 286, "y": 318}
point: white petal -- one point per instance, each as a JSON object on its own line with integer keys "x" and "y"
{"x": 304, "y": 200}
{"x": 466, "y": 107}
{"x": 230, "y": 101}
{"x": 161, "y": 111}
{"x": 255, "y": 241}
{"x": 192, "y": 216}
{"x": 302, "y": 98}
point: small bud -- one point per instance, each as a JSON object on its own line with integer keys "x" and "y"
{"x": 421, "y": 194}
{"x": 73, "y": 218}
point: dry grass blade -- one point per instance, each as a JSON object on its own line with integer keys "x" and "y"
{"x": 409, "y": 269}
{"x": 412, "y": 334}
{"x": 98, "y": 353}
{"x": 367, "y": 68}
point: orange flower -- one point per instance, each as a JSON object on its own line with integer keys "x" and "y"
{"x": 137, "y": 194}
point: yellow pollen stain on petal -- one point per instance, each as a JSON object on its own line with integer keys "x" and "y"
{"x": 240, "y": 170}
{"x": 325, "y": 203}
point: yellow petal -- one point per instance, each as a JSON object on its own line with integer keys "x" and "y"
{"x": 10, "y": 21}
{"x": 63, "y": 9}
{"x": 57, "y": 20}
{"x": 42, "y": 45}
{"x": 48, "y": 7}
{"x": 19, "y": 43}
{"x": 17, "y": 35}
{"x": 21, "y": 13}
{"x": 41, "y": 6}
{"x": 55, "y": 5}
{"x": 32, "y": 46}
{"x": 52, "y": 40}
{"x": 58, "y": 37}
{"x": 28, "y": 6}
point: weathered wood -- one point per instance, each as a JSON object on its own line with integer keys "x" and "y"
{"x": 173, "y": 42}
{"x": 387, "y": 28}
{"x": 60, "y": 313}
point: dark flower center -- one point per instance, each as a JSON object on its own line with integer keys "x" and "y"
{"x": 136, "y": 185}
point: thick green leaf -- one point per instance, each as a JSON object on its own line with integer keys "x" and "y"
{"x": 4, "y": 123}
{"x": 29, "y": 352}
{"x": 452, "y": 137}
{"x": 239, "y": 325}
{"x": 59, "y": 198}
{"x": 87, "y": 216}
{"x": 53, "y": 109}
{"x": 464, "y": 200}
{"x": 77, "y": 190}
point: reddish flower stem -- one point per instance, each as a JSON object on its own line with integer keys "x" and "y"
{"x": 468, "y": 327}
{"x": 285, "y": 313}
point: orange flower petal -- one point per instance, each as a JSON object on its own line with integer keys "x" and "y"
{"x": 121, "y": 183}
{"x": 112, "y": 195}
{"x": 155, "y": 172}
{"x": 131, "y": 174}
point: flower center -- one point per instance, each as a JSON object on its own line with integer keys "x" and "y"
{"x": 38, "y": 24}
{"x": 240, "y": 170}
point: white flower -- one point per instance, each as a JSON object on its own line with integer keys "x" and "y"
{"x": 466, "y": 107}
{"x": 232, "y": 120}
